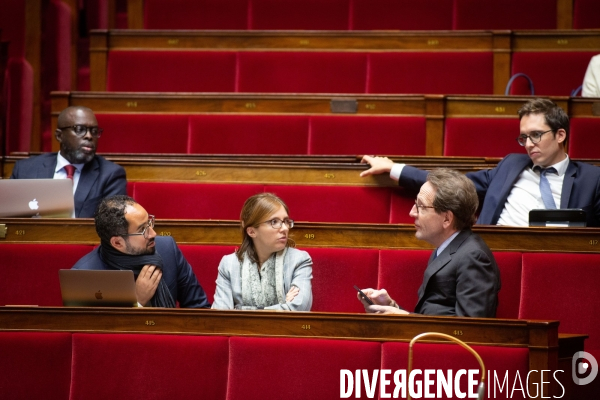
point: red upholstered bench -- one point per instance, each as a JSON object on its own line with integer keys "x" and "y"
{"x": 402, "y": 14}
{"x": 35, "y": 365}
{"x": 195, "y": 14}
{"x": 336, "y": 271}
{"x": 585, "y": 14}
{"x": 30, "y": 272}
{"x": 481, "y": 137}
{"x": 505, "y": 14}
{"x": 139, "y": 366}
{"x": 583, "y": 138}
{"x": 299, "y": 14}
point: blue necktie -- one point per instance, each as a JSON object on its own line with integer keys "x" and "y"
{"x": 545, "y": 188}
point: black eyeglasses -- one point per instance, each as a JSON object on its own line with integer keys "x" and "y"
{"x": 534, "y": 136}
{"x": 420, "y": 207}
{"x": 81, "y": 130}
{"x": 145, "y": 232}
{"x": 276, "y": 223}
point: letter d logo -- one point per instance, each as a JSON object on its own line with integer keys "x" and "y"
{"x": 581, "y": 364}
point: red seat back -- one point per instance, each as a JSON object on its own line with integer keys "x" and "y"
{"x": 481, "y": 137}
{"x": 583, "y": 138}
{"x": 299, "y": 14}
{"x": 402, "y": 14}
{"x": 195, "y": 14}
{"x": 505, "y": 14}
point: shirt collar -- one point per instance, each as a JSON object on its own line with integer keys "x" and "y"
{"x": 561, "y": 166}
{"x": 446, "y": 243}
{"x": 61, "y": 162}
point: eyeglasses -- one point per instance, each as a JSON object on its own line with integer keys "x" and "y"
{"x": 276, "y": 223}
{"x": 420, "y": 207}
{"x": 145, "y": 232}
{"x": 81, "y": 130}
{"x": 534, "y": 136}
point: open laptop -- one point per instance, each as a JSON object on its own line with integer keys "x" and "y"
{"x": 36, "y": 198}
{"x": 97, "y": 288}
{"x": 566, "y": 217}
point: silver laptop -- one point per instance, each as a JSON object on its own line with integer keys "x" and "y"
{"x": 97, "y": 288}
{"x": 36, "y": 198}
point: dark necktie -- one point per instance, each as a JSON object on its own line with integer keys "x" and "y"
{"x": 70, "y": 169}
{"x": 545, "y": 188}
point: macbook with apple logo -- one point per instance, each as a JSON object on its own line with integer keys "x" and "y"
{"x": 36, "y": 198}
{"x": 97, "y": 288}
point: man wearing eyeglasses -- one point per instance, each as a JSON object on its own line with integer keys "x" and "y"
{"x": 128, "y": 242}
{"x": 93, "y": 177}
{"x": 544, "y": 178}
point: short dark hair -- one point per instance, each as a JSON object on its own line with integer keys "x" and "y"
{"x": 110, "y": 217}
{"x": 454, "y": 192}
{"x": 556, "y": 118}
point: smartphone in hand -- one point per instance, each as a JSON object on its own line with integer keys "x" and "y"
{"x": 364, "y": 296}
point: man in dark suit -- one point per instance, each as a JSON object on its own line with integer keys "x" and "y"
{"x": 128, "y": 242}
{"x": 462, "y": 278}
{"x": 93, "y": 177}
{"x": 515, "y": 186}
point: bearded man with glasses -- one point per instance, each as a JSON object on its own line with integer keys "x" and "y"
{"x": 93, "y": 177}
{"x": 544, "y": 178}
{"x": 128, "y": 242}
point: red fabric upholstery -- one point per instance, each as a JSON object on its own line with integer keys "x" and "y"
{"x": 583, "y": 138}
{"x": 585, "y": 14}
{"x": 316, "y": 367}
{"x": 563, "y": 286}
{"x": 367, "y": 135}
{"x": 192, "y": 200}
{"x": 195, "y": 14}
{"x": 248, "y": 134}
{"x": 30, "y": 272}
{"x": 149, "y": 366}
{"x": 481, "y": 137}
{"x": 302, "y": 72}
{"x": 335, "y": 203}
{"x": 402, "y": 14}
{"x": 431, "y": 73}
{"x": 335, "y": 272}
{"x": 19, "y": 104}
{"x": 505, "y": 14}
{"x": 166, "y": 71}
{"x": 401, "y": 274}
{"x": 566, "y": 74}
{"x": 12, "y": 26}
{"x": 124, "y": 133}
{"x": 35, "y": 365}
{"x": 299, "y": 14}
{"x": 453, "y": 357}
{"x": 205, "y": 263}
{"x": 509, "y": 264}
{"x": 402, "y": 203}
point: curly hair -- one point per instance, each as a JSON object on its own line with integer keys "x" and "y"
{"x": 110, "y": 216}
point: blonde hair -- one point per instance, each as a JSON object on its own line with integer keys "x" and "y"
{"x": 256, "y": 210}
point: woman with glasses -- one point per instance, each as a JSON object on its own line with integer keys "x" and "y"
{"x": 265, "y": 272}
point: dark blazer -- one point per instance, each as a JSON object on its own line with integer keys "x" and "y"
{"x": 99, "y": 179}
{"x": 463, "y": 280}
{"x": 177, "y": 272}
{"x": 581, "y": 186}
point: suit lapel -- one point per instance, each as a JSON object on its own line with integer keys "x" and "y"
{"x": 511, "y": 177}
{"x": 441, "y": 261}
{"x": 48, "y": 167}
{"x": 87, "y": 180}
{"x": 568, "y": 185}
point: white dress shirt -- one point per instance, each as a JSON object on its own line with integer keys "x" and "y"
{"x": 61, "y": 173}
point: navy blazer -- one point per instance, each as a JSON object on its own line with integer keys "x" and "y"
{"x": 177, "y": 272}
{"x": 99, "y": 178}
{"x": 463, "y": 280}
{"x": 581, "y": 186}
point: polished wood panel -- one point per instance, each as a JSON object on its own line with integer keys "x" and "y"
{"x": 309, "y": 234}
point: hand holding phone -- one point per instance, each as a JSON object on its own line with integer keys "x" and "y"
{"x": 364, "y": 296}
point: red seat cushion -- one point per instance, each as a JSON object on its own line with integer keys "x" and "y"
{"x": 302, "y": 72}
{"x": 367, "y": 135}
{"x": 335, "y": 203}
{"x": 402, "y": 204}
{"x": 171, "y": 71}
{"x": 30, "y": 272}
{"x": 140, "y": 366}
{"x": 316, "y": 364}
{"x": 193, "y": 200}
{"x": 402, "y": 14}
{"x": 481, "y": 137}
{"x": 18, "y": 97}
{"x": 35, "y": 365}
{"x": 505, "y": 14}
{"x": 195, "y": 14}
{"x": 583, "y": 138}
{"x": 337, "y": 271}
{"x": 127, "y": 133}
{"x": 431, "y": 73}
{"x": 248, "y": 134}
{"x": 509, "y": 297}
{"x": 299, "y": 14}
